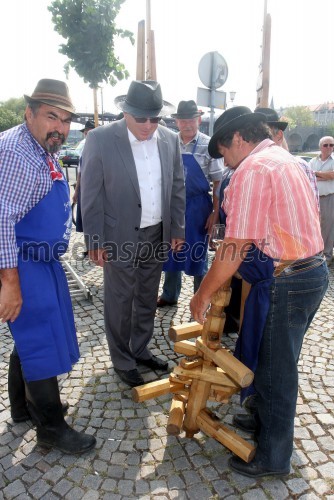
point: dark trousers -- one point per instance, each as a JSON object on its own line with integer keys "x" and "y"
{"x": 130, "y": 300}
{"x": 294, "y": 300}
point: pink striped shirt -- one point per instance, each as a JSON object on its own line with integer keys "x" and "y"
{"x": 270, "y": 200}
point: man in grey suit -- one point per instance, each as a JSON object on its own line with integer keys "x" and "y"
{"x": 133, "y": 203}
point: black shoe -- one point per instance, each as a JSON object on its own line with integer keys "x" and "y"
{"x": 244, "y": 422}
{"x": 253, "y": 469}
{"x": 65, "y": 439}
{"x": 130, "y": 377}
{"x": 251, "y": 403}
{"x": 154, "y": 363}
{"x": 162, "y": 302}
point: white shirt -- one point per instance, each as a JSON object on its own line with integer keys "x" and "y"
{"x": 148, "y": 165}
{"x": 318, "y": 165}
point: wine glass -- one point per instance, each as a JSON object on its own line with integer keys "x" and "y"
{"x": 217, "y": 235}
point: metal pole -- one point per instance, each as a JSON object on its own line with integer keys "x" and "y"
{"x": 102, "y": 119}
{"x": 212, "y": 92}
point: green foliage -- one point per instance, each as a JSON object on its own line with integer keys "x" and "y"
{"x": 89, "y": 28}
{"x": 11, "y": 113}
{"x": 299, "y": 115}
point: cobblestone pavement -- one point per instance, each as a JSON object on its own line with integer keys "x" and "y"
{"x": 134, "y": 457}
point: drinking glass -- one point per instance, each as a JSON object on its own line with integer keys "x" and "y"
{"x": 217, "y": 235}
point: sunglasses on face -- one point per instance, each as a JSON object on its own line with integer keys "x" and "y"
{"x": 137, "y": 119}
{"x": 328, "y": 145}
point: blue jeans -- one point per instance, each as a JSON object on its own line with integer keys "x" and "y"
{"x": 294, "y": 300}
{"x": 173, "y": 282}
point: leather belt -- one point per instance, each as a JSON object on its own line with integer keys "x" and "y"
{"x": 287, "y": 267}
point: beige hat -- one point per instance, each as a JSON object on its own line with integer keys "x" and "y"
{"x": 52, "y": 92}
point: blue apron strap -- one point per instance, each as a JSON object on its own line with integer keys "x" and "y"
{"x": 257, "y": 269}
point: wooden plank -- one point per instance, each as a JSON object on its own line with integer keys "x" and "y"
{"x": 198, "y": 396}
{"x": 154, "y": 389}
{"x": 189, "y": 365}
{"x": 210, "y": 424}
{"x": 238, "y": 372}
{"x": 185, "y": 331}
{"x": 176, "y": 416}
{"x": 222, "y": 394}
{"x": 211, "y": 374}
{"x": 185, "y": 347}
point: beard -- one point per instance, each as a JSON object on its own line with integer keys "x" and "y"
{"x": 53, "y": 147}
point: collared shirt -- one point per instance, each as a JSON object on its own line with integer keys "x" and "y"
{"x": 212, "y": 168}
{"x": 24, "y": 180}
{"x": 318, "y": 165}
{"x": 148, "y": 166}
{"x": 311, "y": 177}
{"x": 270, "y": 200}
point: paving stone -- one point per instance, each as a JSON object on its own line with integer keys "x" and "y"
{"x": 38, "y": 489}
{"x": 199, "y": 492}
{"x": 13, "y": 489}
{"x": 125, "y": 487}
{"x": 320, "y": 486}
{"x": 63, "y": 487}
{"x": 254, "y": 494}
{"x": 276, "y": 489}
{"x": 297, "y": 486}
{"x": 222, "y": 488}
{"x": 327, "y": 470}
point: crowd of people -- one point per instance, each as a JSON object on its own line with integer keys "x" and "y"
{"x": 148, "y": 198}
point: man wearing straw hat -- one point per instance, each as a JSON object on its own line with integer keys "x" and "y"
{"x": 35, "y": 215}
{"x": 133, "y": 203}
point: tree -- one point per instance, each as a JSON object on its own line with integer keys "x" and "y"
{"x": 298, "y": 115}
{"x": 89, "y": 28}
{"x": 11, "y": 113}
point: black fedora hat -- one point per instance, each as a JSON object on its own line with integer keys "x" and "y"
{"x": 230, "y": 121}
{"x": 187, "y": 109}
{"x": 52, "y": 92}
{"x": 89, "y": 125}
{"x": 144, "y": 98}
{"x": 272, "y": 118}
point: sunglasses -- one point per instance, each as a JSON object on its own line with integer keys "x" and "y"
{"x": 137, "y": 119}
{"x": 328, "y": 145}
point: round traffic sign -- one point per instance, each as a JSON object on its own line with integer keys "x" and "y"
{"x": 213, "y": 70}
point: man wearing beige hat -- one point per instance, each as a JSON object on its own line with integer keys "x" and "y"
{"x": 133, "y": 203}
{"x": 35, "y": 215}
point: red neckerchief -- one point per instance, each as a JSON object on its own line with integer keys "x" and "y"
{"x": 55, "y": 175}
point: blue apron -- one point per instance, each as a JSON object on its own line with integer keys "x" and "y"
{"x": 198, "y": 208}
{"x": 257, "y": 269}
{"x": 44, "y": 332}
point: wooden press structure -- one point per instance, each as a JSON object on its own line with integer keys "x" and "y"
{"x": 208, "y": 372}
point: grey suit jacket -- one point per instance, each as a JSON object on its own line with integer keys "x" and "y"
{"x": 110, "y": 195}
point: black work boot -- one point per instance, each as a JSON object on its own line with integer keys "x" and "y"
{"x": 52, "y": 431}
{"x": 16, "y": 390}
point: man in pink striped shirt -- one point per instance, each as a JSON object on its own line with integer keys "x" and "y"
{"x": 273, "y": 239}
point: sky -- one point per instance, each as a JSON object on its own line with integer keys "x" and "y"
{"x": 301, "y": 49}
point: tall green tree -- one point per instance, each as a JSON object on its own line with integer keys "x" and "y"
{"x": 89, "y": 28}
{"x": 299, "y": 115}
{"x": 11, "y": 113}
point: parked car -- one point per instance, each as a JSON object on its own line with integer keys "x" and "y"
{"x": 306, "y": 158}
{"x": 71, "y": 156}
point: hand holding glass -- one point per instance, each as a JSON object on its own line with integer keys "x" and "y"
{"x": 217, "y": 234}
